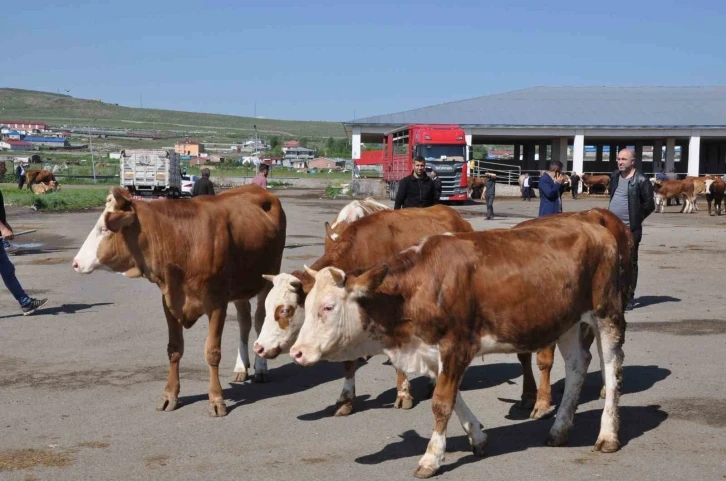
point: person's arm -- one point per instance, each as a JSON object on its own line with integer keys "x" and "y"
{"x": 647, "y": 201}
{"x": 211, "y": 188}
{"x": 548, "y": 187}
{"x": 195, "y": 189}
{"x": 401, "y": 194}
{"x": 6, "y": 231}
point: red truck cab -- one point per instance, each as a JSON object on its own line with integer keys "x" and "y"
{"x": 444, "y": 148}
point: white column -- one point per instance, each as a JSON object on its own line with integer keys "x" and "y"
{"x": 670, "y": 153}
{"x": 694, "y": 153}
{"x": 578, "y": 152}
{"x": 468, "y": 135}
{"x": 356, "y": 143}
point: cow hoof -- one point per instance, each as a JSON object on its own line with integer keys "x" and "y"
{"x": 541, "y": 412}
{"x": 606, "y": 445}
{"x": 525, "y": 404}
{"x": 260, "y": 377}
{"x": 602, "y": 393}
{"x": 240, "y": 376}
{"x": 403, "y": 402}
{"x": 424, "y": 472}
{"x": 553, "y": 440}
{"x": 217, "y": 409}
{"x": 167, "y": 403}
{"x": 343, "y": 409}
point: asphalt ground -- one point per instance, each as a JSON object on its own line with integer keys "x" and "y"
{"x": 79, "y": 381}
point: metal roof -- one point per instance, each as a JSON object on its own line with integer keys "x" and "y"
{"x": 44, "y": 139}
{"x": 587, "y": 107}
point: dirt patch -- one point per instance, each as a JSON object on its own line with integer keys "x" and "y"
{"x": 706, "y": 411}
{"x": 48, "y": 261}
{"x": 17, "y": 459}
{"x": 667, "y": 267}
{"x": 301, "y": 257}
{"x": 94, "y": 445}
{"x": 313, "y": 460}
{"x": 686, "y": 327}
{"x": 153, "y": 462}
{"x": 24, "y": 375}
{"x": 655, "y": 252}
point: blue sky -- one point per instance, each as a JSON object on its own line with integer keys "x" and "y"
{"x": 333, "y": 60}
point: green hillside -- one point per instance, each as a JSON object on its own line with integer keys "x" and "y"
{"x": 55, "y": 109}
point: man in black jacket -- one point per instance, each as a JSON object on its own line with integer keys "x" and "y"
{"x": 631, "y": 199}
{"x": 437, "y": 186}
{"x": 417, "y": 189}
{"x": 203, "y": 186}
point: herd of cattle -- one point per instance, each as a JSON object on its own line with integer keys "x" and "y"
{"x": 688, "y": 189}
{"x": 418, "y": 285}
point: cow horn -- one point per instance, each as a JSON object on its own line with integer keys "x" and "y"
{"x": 311, "y": 272}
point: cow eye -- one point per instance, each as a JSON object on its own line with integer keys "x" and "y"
{"x": 328, "y": 308}
{"x": 285, "y": 312}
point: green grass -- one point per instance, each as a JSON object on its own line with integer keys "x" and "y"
{"x": 65, "y": 200}
{"x": 276, "y": 172}
{"x": 58, "y": 109}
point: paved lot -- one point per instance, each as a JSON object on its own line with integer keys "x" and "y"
{"x": 80, "y": 380}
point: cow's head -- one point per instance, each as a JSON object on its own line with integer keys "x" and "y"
{"x": 333, "y": 318}
{"x": 709, "y": 181}
{"x": 285, "y": 313}
{"x": 104, "y": 247}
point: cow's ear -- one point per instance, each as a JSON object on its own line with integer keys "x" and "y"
{"x": 115, "y": 221}
{"x": 122, "y": 202}
{"x": 338, "y": 277}
{"x": 330, "y": 233}
{"x": 368, "y": 282}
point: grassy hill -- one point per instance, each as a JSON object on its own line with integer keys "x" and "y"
{"x": 55, "y": 109}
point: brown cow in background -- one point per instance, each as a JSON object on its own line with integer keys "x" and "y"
{"x": 590, "y": 180}
{"x": 38, "y": 176}
{"x": 715, "y": 194}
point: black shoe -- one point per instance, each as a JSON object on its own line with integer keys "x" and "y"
{"x": 33, "y": 305}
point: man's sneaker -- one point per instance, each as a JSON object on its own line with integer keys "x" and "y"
{"x": 630, "y": 305}
{"x": 33, "y": 305}
{"x": 11, "y": 249}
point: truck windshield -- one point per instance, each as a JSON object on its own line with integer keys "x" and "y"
{"x": 435, "y": 152}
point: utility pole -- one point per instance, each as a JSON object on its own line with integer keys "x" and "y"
{"x": 90, "y": 147}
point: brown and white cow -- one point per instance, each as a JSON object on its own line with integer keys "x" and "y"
{"x": 202, "y": 253}
{"x": 38, "y": 176}
{"x": 435, "y": 307}
{"x": 44, "y": 188}
{"x": 671, "y": 189}
{"x": 542, "y": 402}
{"x": 362, "y": 244}
{"x": 348, "y": 214}
{"x": 715, "y": 194}
{"x": 590, "y": 180}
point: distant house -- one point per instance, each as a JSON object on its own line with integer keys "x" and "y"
{"x": 24, "y": 125}
{"x": 15, "y": 145}
{"x": 47, "y": 141}
{"x": 189, "y": 147}
{"x": 326, "y": 163}
{"x": 298, "y": 157}
{"x": 12, "y": 135}
{"x": 291, "y": 144}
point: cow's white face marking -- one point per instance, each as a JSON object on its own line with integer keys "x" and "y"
{"x": 86, "y": 261}
{"x": 285, "y": 294}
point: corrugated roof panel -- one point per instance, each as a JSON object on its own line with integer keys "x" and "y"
{"x": 577, "y": 106}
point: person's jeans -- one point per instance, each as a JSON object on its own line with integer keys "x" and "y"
{"x": 490, "y": 206}
{"x": 7, "y": 270}
{"x": 637, "y": 236}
